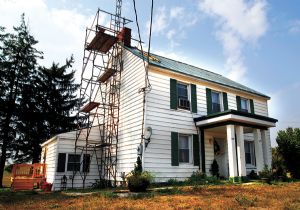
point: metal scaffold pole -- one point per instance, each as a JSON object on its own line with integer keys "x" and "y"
{"x": 98, "y": 119}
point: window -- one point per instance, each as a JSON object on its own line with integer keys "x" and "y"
{"x": 184, "y": 149}
{"x": 86, "y": 163}
{"x": 61, "y": 162}
{"x": 183, "y": 97}
{"x": 73, "y": 162}
{"x": 244, "y": 105}
{"x": 216, "y": 101}
{"x": 249, "y": 153}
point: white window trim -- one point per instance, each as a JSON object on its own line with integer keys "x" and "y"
{"x": 220, "y": 99}
{"x": 189, "y": 96}
{"x": 254, "y": 158}
{"x": 248, "y": 103}
{"x": 191, "y": 161}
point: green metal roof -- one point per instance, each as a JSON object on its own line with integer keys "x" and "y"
{"x": 183, "y": 68}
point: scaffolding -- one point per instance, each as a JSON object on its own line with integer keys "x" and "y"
{"x": 98, "y": 118}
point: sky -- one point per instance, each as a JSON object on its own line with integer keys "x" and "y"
{"x": 254, "y": 42}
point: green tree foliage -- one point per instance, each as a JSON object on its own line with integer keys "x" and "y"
{"x": 18, "y": 63}
{"x": 35, "y": 102}
{"x": 289, "y": 147}
{"x": 46, "y": 109}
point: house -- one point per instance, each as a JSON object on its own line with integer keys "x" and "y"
{"x": 194, "y": 116}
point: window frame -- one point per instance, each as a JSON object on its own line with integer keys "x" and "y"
{"x": 252, "y": 153}
{"x": 190, "y": 148}
{"x": 220, "y": 101}
{"x": 247, "y": 103}
{"x": 188, "y": 86}
{"x": 67, "y": 162}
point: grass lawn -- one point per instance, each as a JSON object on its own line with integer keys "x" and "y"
{"x": 280, "y": 196}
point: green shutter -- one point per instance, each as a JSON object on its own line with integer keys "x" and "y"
{"x": 238, "y": 103}
{"x": 174, "y": 149}
{"x": 173, "y": 94}
{"x": 208, "y": 101}
{"x": 196, "y": 153}
{"x": 225, "y": 101}
{"x": 252, "y": 106}
{"x": 194, "y": 98}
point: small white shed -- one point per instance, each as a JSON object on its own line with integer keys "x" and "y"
{"x": 59, "y": 155}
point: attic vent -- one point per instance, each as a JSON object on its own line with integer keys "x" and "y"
{"x": 151, "y": 57}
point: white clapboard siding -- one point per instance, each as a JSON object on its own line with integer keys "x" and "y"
{"x": 231, "y": 101}
{"x": 50, "y": 159}
{"x": 261, "y": 107}
{"x": 131, "y": 112}
{"x": 163, "y": 120}
{"x": 66, "y": 143}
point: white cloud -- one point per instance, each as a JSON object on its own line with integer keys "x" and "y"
{"x": 245, "y": 22}
{"x": 295, "y": 26}
{"x": 160, "y": 21}
{"x": 177, "y": 12}
{"x": 60, "y": 32}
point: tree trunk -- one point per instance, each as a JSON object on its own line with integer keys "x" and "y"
{"x": 4, "y": 146}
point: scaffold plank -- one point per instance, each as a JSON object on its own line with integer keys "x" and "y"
{"x": 89, "y": 106}
{"x": 106, "y": 75}
{"x": 102, "y": 42}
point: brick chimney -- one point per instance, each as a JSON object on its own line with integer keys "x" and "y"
{"x": 125, "y": 36}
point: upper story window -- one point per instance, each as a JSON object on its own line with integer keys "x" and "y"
{"x": 184, "y": 148}
{"x": 183, "y": 96}
{"x": 216, "y": 101}
{"x": 244, "y": 105}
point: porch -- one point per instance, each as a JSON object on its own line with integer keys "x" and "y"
{"x": 238, "y": 141}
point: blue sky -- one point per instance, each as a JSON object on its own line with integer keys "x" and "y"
{"x": 255, "y": 42}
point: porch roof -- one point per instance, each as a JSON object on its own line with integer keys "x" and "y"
{"x": 235, "y": 117}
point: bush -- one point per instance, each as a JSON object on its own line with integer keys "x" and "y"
{"x": 266, "y": 174}
{"x": 253, "y": 175}
{"x": 139, "y": 182}
{"x": 289, "y": 150}
{"x": 201, "y": 178}
{"x": 8, "y": 168}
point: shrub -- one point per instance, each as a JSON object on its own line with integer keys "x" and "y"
{"x": 138, "y": 180}
{"x": 253, "y": 175}
{"x": 201, "y": 178}
{"x": 265, "y": 173}
{"x": 289, "y": 149}
{"x": 8, "y": 168}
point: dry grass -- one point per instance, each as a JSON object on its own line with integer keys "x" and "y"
{"x": 284, "y": 196}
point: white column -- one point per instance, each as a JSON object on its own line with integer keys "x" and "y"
{"x": 266, "y": 148}
{"x": 241, "y": 150}
{"x": 231, "y": 151}
{"x": 258, "y": 150}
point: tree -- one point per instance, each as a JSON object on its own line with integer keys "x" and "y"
{"x": 47, "y": 110}
{"x": 289, "y": 147}
{"x": 18, "y": 62}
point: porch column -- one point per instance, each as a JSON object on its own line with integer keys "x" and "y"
{"x": 241, "y": 151}
{"x": 266, "y": 148}
{"x": 258, "y": 150}
{"x": 231, "y": 151}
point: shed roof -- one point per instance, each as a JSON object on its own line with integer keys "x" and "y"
{"x": 183, "y": 68}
